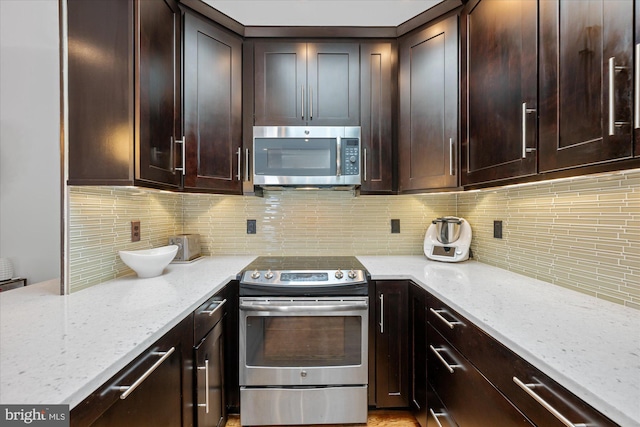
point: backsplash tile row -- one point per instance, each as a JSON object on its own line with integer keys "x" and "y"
{"x": 100, "y": 225}
{"x": 581, "y": 233}
{"x": 313, "y": 222}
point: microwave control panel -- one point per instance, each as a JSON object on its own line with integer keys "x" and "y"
{"x": 350, "y": 156}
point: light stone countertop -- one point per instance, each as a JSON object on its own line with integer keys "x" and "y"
{"x": 588, "y": 345}
{"x": 58, "y": 349}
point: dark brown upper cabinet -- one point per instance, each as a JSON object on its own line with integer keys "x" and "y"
{"x": 124, "y": 93}
{"x": 158, "y": 83}
{"x": 636, "y": 95}
{"x": 212, "y": 106}
{"x": 586, "y": 82}
{"x": 314, "y": 84}
{"x": 377, "y": 83}
{"x": 499, "y": 79}
{"x": 101, "y": 111}
{"x": 428, "y": 133}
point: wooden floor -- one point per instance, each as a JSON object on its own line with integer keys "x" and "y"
{"x": 390, "y": 418}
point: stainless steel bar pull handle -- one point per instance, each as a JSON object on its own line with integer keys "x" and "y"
{"x": 637, "y": 86}
{"x": 310, "y": 103}
{"x": 527, "y": 388}
{"x": 612, "y": 95}
{"x": 239, "y": 153}
{"x": 218, "y": 307}
{"x": 381, "y": 313}
{"x": 246, "y": 164}
{"x": 435, "y": 416}
{"x": 128, "y": 389}
{"x": 445, "y": 321}
{"x": 184, "y": 160}
{"x": 302, "y": 99}
{"x": 205, "y": 368}
{"x": 437, "y": 351}
{"x": 364, "y": 164}
{"x": 451, "y": 147}
{"x": 526, "y": 111}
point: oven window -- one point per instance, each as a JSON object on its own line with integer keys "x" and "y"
{"x": 304, "y": 341}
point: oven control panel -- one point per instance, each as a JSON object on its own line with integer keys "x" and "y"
{"x": 303, "y": 277}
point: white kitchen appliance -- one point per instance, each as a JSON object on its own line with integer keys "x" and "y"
{"x": 448, "y": 239}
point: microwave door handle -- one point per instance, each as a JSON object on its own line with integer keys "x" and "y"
{"x": 302, "y": 99}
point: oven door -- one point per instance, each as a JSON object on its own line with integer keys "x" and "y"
{"x": 303, "y": 341}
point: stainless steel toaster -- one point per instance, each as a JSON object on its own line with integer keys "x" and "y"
{"x": 188, "y": 246}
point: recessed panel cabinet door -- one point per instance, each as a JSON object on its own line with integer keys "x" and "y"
{"x": 280, "y": 84}
{"x": 429, "y": 108}
{"x": 212, "y": 106}
{"x": 158, "y": 89}
{"x": 499, "y": 124}
{"x": 586, "y": 82}
{"x": 376, "y": 116}
{"x": 333, "y": 84}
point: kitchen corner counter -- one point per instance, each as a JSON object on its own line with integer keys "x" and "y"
{"x": 588, "y": 345}
{"x": 58, "y": 349}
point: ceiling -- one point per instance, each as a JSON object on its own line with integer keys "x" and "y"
{"x": 340, "y": 13}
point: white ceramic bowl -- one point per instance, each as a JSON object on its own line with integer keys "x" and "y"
{"x": 149, "y": 262}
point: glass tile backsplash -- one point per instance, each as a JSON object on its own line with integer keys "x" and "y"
{"x": 582, "y": 233}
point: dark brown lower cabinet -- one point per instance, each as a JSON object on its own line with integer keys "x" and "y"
{"x": 154, "y": 389}
{"x": 495, "y": 375}
{"x": 418, "y": 353}
{"x": 469, "y": 398}
{"x": 391, "y": 346}
{"x": 209, "y": 356}
{"x": 437, "y": 415}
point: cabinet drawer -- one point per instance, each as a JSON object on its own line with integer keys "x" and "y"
{"x": 469, "y": 398}
{"x": 460, "y": 332}
{"x": 208, "y": 314}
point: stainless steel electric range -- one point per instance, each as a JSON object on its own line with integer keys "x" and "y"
{"x": 303, "y": 341}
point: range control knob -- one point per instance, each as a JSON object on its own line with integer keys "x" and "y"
{"x": 268, "y": 275}
{"x": 352, "y": 274}
{"x": 255, "y": 274}
{"x": 339, "y": 274}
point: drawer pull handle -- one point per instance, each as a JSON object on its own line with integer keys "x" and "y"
{"x": 435, "y": 416}
{"x": 381, "y": 314}
{"x": 206, "y": 385}
{"x": 446, "y": 322}
{"x": 210, "y": 312}
{"x": 437, "y": 351}
{"x": 128, "y": 389}
{"x": 527, "y": 388}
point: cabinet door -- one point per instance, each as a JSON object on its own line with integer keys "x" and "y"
{"x": 280, "y": 84}
{"x": 158, "y": 90}
{"x": 429, "y": 108}
{"x": 376, "y": 116}
{"x": 101, "y": 108}
{"x": 586, "y": 82}
{"x": 333, "y": 84}
{"x": 636, "y": 106}
{"x": 210, "y": 408}
{"x": 212, "y": 106}
{"x": 392, "y": 373}
{"x": 499, "y": 124}
{"x": 418, "y": 353}
{"x": 153, "y": 390}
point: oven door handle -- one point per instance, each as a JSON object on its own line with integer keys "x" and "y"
{"x": 302, "y": 308}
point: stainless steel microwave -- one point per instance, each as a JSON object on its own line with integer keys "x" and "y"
{"x": 306, "y": 156}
